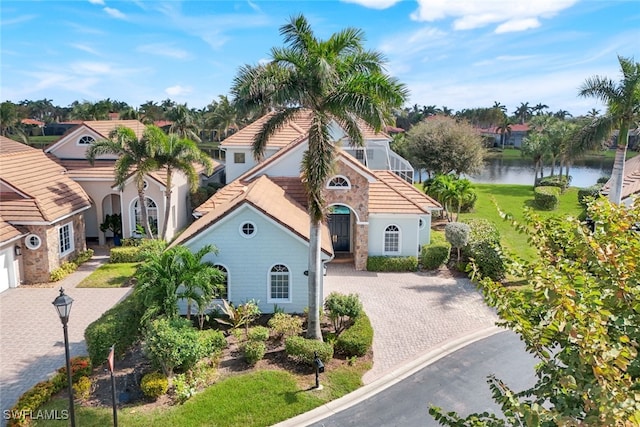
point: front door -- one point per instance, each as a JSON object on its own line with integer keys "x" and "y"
{"x": 339, "y": 227}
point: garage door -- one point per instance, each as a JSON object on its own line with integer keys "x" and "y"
{"x": 5, "y": 268}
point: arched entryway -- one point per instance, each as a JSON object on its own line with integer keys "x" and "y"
{"x": 340, "y": 228}
{"x": 110, "y": 205}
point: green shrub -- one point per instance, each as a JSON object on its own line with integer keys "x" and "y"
{"x": 82, "y": 388}
{"x": 258, "y": 333}
{"x": 435, "y": 255}
{"x": 125, "y": 254}
{"x": 485, "y": 249}
{"x": 254, "y": 351}
{"x": 385, "y": 263}
{"x": 66, "y": 268}
{"x": 341, "y": 308}
{"x": 559, "y": 181}
{"x": 603, "y": 180}
{"x": 302, "y": 349}
{"x": 154, "y": 385}
{"x": 438, "y": 236}
{"x": 593, "y": 191}
{"x": 150, "y": 247}
{"x": 211, "y": 342}
{"x": 284, "y": 325}
{"x": 547, "y": 198}
{"x": 80, "y": 367}
{"x": 172, "y": 344}
{"x": 83, "y": 257}
{"x": 482, "y": 229}
{"x": 118, "y": 325}
{"x": 357, "y": 339}
{"x": 183, "y": 389}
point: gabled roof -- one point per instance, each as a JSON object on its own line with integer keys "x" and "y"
{"x": 35, "y": 188}
{"x": 631, "y": 180}
{"x": 265, "y": 196}
{"x": 8, "y": 232}
{"x": 102, "y": 128}
{"x": 392, "y": 194}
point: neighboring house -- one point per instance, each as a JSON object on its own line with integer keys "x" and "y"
{"x": 260, "y": 223}
{"x": 98, "y": 181}
{"x": 41, "y": 215}
{"x": 513, "y": 139}
{"x": 630, "y": 183}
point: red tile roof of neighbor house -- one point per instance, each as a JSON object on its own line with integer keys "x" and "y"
{"x": 265, "y": 196}
{"x": 35, "y": 188}
{"x": 8, "y": 232}
{"x": 32, "y": 122}
{"x": 631, "y": 181}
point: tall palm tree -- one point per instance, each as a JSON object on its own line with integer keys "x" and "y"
{"x": 623, "y": 108}
{"x": 184, "y": 123}
{"x": 137, "y": 156}
{"x": 499, "y": 106}
{"x": 538, "y": 109}
{"x": 336, "y": 80}
{"x": 523, "y": 112}
{"x": 504, "y": 129}
{"x": 177, "y": 154}
{"x": 593, "y": 113}
{"x": 534, "y": 146}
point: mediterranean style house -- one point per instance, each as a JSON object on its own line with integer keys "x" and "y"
{"x": 98, "y": 182}
{"x": 42, "y": 215}
{"x": 259, "y": 221}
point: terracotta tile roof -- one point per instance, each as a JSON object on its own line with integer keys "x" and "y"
{"x": 102, "y": 127}
{"x": 392, "y": 194}
{"x": 292, "y": 131}
{"x": 32, "y": 122}
{"x": 34, "y": 187}
{"x": 264, "y": 195}
{"x": 631, "y": 182}
{"x": 8, "y": 232}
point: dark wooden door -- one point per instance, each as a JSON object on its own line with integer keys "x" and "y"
{"x": 339, "y": 227}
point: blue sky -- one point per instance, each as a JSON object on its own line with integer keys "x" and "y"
{"x": 456, "y": 53}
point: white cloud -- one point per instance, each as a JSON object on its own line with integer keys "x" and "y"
{"x": 98, "y": 2}
{"x": 85, "y": 48}
{"x": 162, "y": 49}
{"x": 374, "y": 4}
{"x": 115, "y": 13}
{"x": 178, "y": 90}
{"x": 508, "y": 14}
{"x": 92, "y": 68}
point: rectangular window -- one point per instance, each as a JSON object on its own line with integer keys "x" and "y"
{"x": 238, "y": 157}
{"x": 65, "y": 239}
{"x": 280, "y": 286}
{"x": 391, "y": 243}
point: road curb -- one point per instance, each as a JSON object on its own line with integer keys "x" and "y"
{"x": 388, "y": 379}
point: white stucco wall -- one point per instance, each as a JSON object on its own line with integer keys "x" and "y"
{"x": 409, "y": 236}
{"x": 425, "y": 230}
{"x": 249, "y": 260}
{"x": 67, "y": 146}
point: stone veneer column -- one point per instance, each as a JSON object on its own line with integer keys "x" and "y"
{"x": 361, "y": 250}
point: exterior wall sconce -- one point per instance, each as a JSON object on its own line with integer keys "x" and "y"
{"x": 17, "y": 250}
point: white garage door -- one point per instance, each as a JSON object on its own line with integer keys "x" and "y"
{"x": 5, "y": 268}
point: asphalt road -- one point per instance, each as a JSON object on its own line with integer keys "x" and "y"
{"x": 456, "y": 382}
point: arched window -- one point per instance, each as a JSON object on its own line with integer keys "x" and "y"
{"x": 152, "y": 213}
{"x": 86, "y": 140}
{"x": 339, "y": 182}
{"x": 224, "y": 293}
{"x": 392, "y": 239}
{"x": 279, "y": 283}
{"x": 248, "y": 229}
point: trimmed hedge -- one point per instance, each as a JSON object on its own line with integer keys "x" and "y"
{"x": 593, "y": 191}
{"x": 68, "y": 267}
{"x": 435, "y": 255}
{"x": 254, "y": 351}
{"x": 357, "y": 339}
{"x": 559, "y": 181}
{"x": 302, "y": 349}
{"x": 124, "y": 254}
{"x": 546, "y": 197}
{"x": 485, "y": 249}
{"x": 118, "y": 325}
{"x": 386, "y": 263}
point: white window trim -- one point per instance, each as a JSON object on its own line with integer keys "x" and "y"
{"x": 424, "y": 223}
{"x": 27, "y": 242}
{"x": 279, "y": 300}
{"x": 82, "y": 137}
{"x": 384, "y": 236}
{"x": 228, "y": 281}
{"x": 71, "y": 239}
{"x": 332, "y": 187}
{"x": 132, "y": 214}
{"x": 248, "y": 236}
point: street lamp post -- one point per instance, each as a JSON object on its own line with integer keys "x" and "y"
{"x": 63, "y": 306}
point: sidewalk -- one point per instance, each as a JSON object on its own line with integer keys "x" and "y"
{"x": 31, "y": 336}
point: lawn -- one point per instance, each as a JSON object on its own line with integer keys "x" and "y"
{"x": 514, "y": 153}
{"x": 110, "y": 276}
{"x": 513, "y": 199}
{"x": 260, "y": 398}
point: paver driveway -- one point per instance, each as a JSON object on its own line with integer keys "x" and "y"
{"x": 411, "y": 313}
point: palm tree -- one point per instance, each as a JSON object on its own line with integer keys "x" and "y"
{"x": 336, "y": 80}
{"x": 184, "y": 123}
{"x": 593, "y": 113}
{"x": 534, "y": 146}
{"x": 499, "y": 106}
{"x": 523, "y": 112}
{"x": 623, "y": 107}
{"x": 539, "y": 108}
{"x": 177, "y": 154}
{"x": 223, "y": 117}
{"x": 505, "y": 130}
{"x": 136, "y": 156}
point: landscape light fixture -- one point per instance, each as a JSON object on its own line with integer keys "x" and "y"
{"x": 319, "y": 368}
{"x": 63, "y": 306}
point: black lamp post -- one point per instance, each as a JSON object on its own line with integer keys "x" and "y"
{"x": 319, "y": 368}
{"x": 63, "y": 305}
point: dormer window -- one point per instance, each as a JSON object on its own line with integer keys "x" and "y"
{"x": 339, "y": 182}
{"x": 86, "y": 140}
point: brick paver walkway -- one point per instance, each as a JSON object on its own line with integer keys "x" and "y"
{"x": 31, "y": 336}
{"x": 411, "y": 313}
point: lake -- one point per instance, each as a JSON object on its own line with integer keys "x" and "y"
{"x": 584, "y": 172}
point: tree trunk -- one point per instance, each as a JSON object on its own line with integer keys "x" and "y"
{"x": 143, "y": 211}
{"x": 315, "y": 281}
{"x": 167, "y": 203}
{"x": 617, "y": 175}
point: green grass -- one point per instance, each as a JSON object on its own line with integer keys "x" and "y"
{"x": 513, "y": 199}
{"x": 514, "y": 153}
{"x": 110, "y": 276}
{"x": 259, "y": 398}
